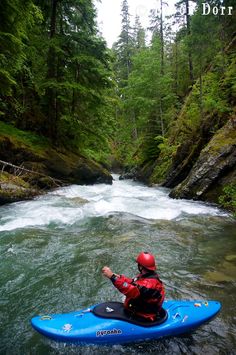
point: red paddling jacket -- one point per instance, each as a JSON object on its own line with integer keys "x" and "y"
{"x": 144, "y": 294}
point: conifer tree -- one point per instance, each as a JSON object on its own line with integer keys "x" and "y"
{"x": 59, "y": 68}
{"x": 139, "y": 34}
{"x": 77, "y": 72}
{"x": 183, "y": 7}
{"x": 15, "y": 17}
{"x": 157, "y": 28}
{"x": 124, "y": 46}
{"x": 205, "y": 43}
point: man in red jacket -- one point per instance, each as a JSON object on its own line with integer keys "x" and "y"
{"x": 145, "y": 293}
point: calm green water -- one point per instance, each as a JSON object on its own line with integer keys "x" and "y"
{"x": 52, "y": 250}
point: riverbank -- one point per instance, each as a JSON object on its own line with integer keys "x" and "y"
{"x": 30, "y": 165}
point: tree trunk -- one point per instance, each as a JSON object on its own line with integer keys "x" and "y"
{"x": 176, "y": 69}
{"x": 201, "y": 89}
{"x": 134, "y": 133}
{"x": 190, "y": 61}
{"x": 51, "y": 92}
{"x": 162, "y": 40}
{"x": 161, "y": 119}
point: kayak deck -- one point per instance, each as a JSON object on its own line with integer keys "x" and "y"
{"x": 85, "y": 327}
{"x": 115, "y": 310}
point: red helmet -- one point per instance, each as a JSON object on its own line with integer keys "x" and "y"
{"x": 146, "y": 260}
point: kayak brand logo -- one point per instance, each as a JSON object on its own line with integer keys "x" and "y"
{"x": 101, "y": 333}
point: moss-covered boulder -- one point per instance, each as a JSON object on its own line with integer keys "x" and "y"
{"x": 14, "y": 189}
{"x": 40, "y": 166}
{"x": 72, "y": 168}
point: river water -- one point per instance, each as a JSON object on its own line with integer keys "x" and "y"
{"x": 52, "y": 250}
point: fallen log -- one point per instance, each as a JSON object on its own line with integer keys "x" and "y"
{"x": 56, "y": 182}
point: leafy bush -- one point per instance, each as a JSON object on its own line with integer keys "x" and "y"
{"x": 228, "y": 199}
{"x": 164, "y": 161}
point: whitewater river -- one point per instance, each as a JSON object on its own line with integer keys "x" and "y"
{"x": 52, "y": 250}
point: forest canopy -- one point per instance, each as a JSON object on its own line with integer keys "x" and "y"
{"x": 55, "y": 76}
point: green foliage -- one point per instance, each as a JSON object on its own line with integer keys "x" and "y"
{"x": 57, "y": 69}
{"x": 166, "y": 153}
{"x": 124, "y": 47}
{"x": 6, "y": 82}
{"x": 16, "y": 18}
{"x": 214, "y": 99}
{"x": 151, "y": 148}
{"x": 151, "y": 100}
{"x": 179, "y": 65}
{"x": 146, "y": 92}
{"x": 229, "y": 81}
{"x": 228, "y": 199}
{"x": 214, "y": 103}
{"x": 35, "y": 142}
{"x": 204, "y": 40}
{"x": 150, "y": 90}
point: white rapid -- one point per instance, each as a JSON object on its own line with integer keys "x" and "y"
{"x": 69, "y": 204}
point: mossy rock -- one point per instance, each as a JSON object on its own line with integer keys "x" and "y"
{"x": 218, "y": 276}
{"x": 14, "y": 193}
{"x": 78, "y": 200}
{"x": 231, "y": 258}
{"x": 7, "y": 178}
{"x": 216, "y": 162}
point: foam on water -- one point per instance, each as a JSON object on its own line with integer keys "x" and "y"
{"x": 60, "y": 207}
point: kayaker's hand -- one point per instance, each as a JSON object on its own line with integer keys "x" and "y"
{"x": 106, "y": 271}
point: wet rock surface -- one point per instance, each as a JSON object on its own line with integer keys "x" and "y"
{"x": 216, "y": 164}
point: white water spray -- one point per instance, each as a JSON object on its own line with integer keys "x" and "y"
{"x": 69, "y": 204}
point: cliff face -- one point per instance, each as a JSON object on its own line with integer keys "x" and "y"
{"x": 214, "y": 168}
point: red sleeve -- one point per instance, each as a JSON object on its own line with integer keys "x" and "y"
{"x": 123, "y": 284}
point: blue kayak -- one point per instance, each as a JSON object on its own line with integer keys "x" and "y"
{"x": 108, "y": 323}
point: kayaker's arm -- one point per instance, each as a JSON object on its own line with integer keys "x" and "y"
{"x": 106, "y": 271}
{"x": 121, "y": 282}
{"x": 125, "y": 286}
